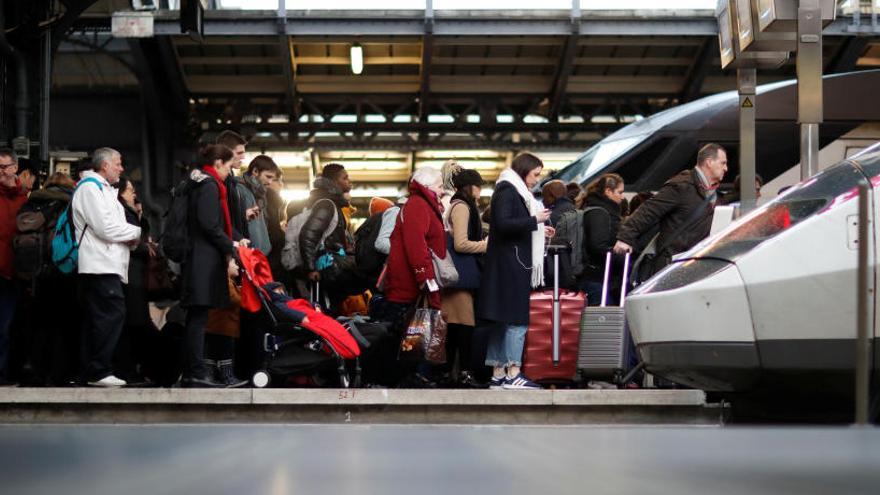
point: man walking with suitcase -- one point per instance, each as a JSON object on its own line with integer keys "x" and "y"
{"x": 682, "y": 208}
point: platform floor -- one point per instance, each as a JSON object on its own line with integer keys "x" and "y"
{"x": 422, "y": 459}
{"x": 366, "y": 406}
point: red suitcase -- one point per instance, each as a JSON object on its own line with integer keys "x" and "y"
{"x": 551, "y": 349}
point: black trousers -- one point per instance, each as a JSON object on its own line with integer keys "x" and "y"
{"x": 459, "y": 340}
{"x": 194, "y": 342}
{"x": 104, "y": 306}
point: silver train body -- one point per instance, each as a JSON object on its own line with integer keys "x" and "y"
{"x": 769, "y": 303}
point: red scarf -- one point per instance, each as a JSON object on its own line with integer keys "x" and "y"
{"x": 224, "y": 203}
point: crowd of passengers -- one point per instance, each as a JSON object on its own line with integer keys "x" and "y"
{"x": 129, "y": 317}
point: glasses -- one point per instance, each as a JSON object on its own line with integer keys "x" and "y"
{"x": 4, "y": 166}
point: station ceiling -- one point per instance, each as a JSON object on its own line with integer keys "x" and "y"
{"x": 552, "y": 80}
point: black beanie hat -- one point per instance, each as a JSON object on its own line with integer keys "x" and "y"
{"x": 467, "y": 177}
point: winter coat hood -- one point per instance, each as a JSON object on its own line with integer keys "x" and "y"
{"x": 326, "y": 188}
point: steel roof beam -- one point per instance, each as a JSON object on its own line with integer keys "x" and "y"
{"x": 699, "y": 70}
{"x": 566, "y": 63}
{"x": 847, "y": 55}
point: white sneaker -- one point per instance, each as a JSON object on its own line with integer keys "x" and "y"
{"x": 109, "y": 381}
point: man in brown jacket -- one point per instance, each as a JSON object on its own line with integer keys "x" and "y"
{"x": 682, "y": 208}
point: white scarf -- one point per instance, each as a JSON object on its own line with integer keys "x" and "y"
{"x": 535, "y": 207}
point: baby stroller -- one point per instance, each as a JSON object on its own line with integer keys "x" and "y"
{"x": 292, "y": 345}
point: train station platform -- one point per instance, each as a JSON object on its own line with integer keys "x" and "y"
{"x": 364, "y": 406}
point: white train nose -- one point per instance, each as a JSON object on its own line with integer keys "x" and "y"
{"x": 692, "y": 324}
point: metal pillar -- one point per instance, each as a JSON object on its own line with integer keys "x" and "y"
{"x": 45, "y": 97}
{"x": 863, "y": 305}
{"x": 809, "y": 75}
{"x": 746, "y": 80}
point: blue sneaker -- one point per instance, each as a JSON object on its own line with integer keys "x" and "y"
{"x": 497, "y": 383}
{"x": 520, "y": 382}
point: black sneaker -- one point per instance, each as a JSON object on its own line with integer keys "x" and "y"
{"x": 467, "y": 380}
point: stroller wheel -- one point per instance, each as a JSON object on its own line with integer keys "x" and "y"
{"x": 260, "y": 379}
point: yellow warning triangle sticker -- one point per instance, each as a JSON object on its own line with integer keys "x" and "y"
{"x": 747, "y": 103}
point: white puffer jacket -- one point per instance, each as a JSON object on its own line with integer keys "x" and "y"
{"x": 103, "y": 249}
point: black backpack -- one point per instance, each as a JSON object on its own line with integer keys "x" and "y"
{"x": 368, "y": 259}
{"x": 31, "y": 246}
{"x": 174, "y": 241}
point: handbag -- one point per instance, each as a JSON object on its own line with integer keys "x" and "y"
{"x": 425, "y": 335}
{"x": 444, "y": 269}
{"x": 161, "y": 283}
{"x": 445, "y": 273}
{"x": 467, "y": 266}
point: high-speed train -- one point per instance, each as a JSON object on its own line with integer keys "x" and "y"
{"x": 769, "y": 303}
{"x": 648, "y": 152}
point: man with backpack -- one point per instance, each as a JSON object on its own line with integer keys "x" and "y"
{"x": 13, "y": 195}
{"x": 104, "y": 239}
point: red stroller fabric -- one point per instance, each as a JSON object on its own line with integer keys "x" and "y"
{"x": 327, "y": 328}
{"x": 256, "y": 266}
{"x": 255, "y": 263}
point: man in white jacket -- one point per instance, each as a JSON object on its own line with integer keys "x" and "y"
{"x": 105, "y": 241}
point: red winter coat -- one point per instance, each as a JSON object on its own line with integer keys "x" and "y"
{"x": 419, "y": 227}
{"x": 11, "y": 199}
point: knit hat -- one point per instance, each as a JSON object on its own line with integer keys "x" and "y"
{"x": 467, "y": 177}
{"x": 378, "y": 205}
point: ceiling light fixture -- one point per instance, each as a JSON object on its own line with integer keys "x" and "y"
{"x": 357, "y": 59}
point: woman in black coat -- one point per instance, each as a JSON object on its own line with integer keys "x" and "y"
{"x": 129, "y": 356}
{"x": 209, "y": 259}
{"x": 601, "y": 222}
{"x": 513, "y": 266}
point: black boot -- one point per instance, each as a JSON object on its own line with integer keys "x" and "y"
{"x": 207, "y": 381}
{"x": 227, "y": 374}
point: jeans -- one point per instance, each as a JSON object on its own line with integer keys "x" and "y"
{"x": 8, "y": 299}
{"x": 506, "y": 345}
{"x": 104, "y": 303}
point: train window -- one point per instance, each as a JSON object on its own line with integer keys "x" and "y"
{"x": 813, "y": 197}
{"x": 869, "y": 160}
{"x": 633, "y": 167}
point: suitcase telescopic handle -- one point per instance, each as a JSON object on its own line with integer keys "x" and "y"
{"x": 623, "y": 279}
{"x": 607, "y": 277}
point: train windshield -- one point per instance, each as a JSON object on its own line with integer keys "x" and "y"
{"x": 597, "y": 157}
{"x": 815, "y": 196}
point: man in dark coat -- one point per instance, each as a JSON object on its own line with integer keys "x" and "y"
{"x": 682, "y": 208}
{"x": 317, "y": 240}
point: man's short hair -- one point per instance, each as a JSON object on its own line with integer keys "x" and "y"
{"x": 708, "y": 152}
{"x": 102, "y": 155}
{"x": 10, "y": 153}
{"x": 262, "y": 163}
{"x": 332, "y": 170}
{"x": 231, "y": 139}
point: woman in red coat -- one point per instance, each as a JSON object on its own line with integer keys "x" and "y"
{"x": 419, "y": 228}
{"x": 410, "y": 272}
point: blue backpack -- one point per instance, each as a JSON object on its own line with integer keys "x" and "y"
{"x": 65, "y": 247}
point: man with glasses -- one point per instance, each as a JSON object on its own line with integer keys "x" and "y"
{"x": 13, "y": 194}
